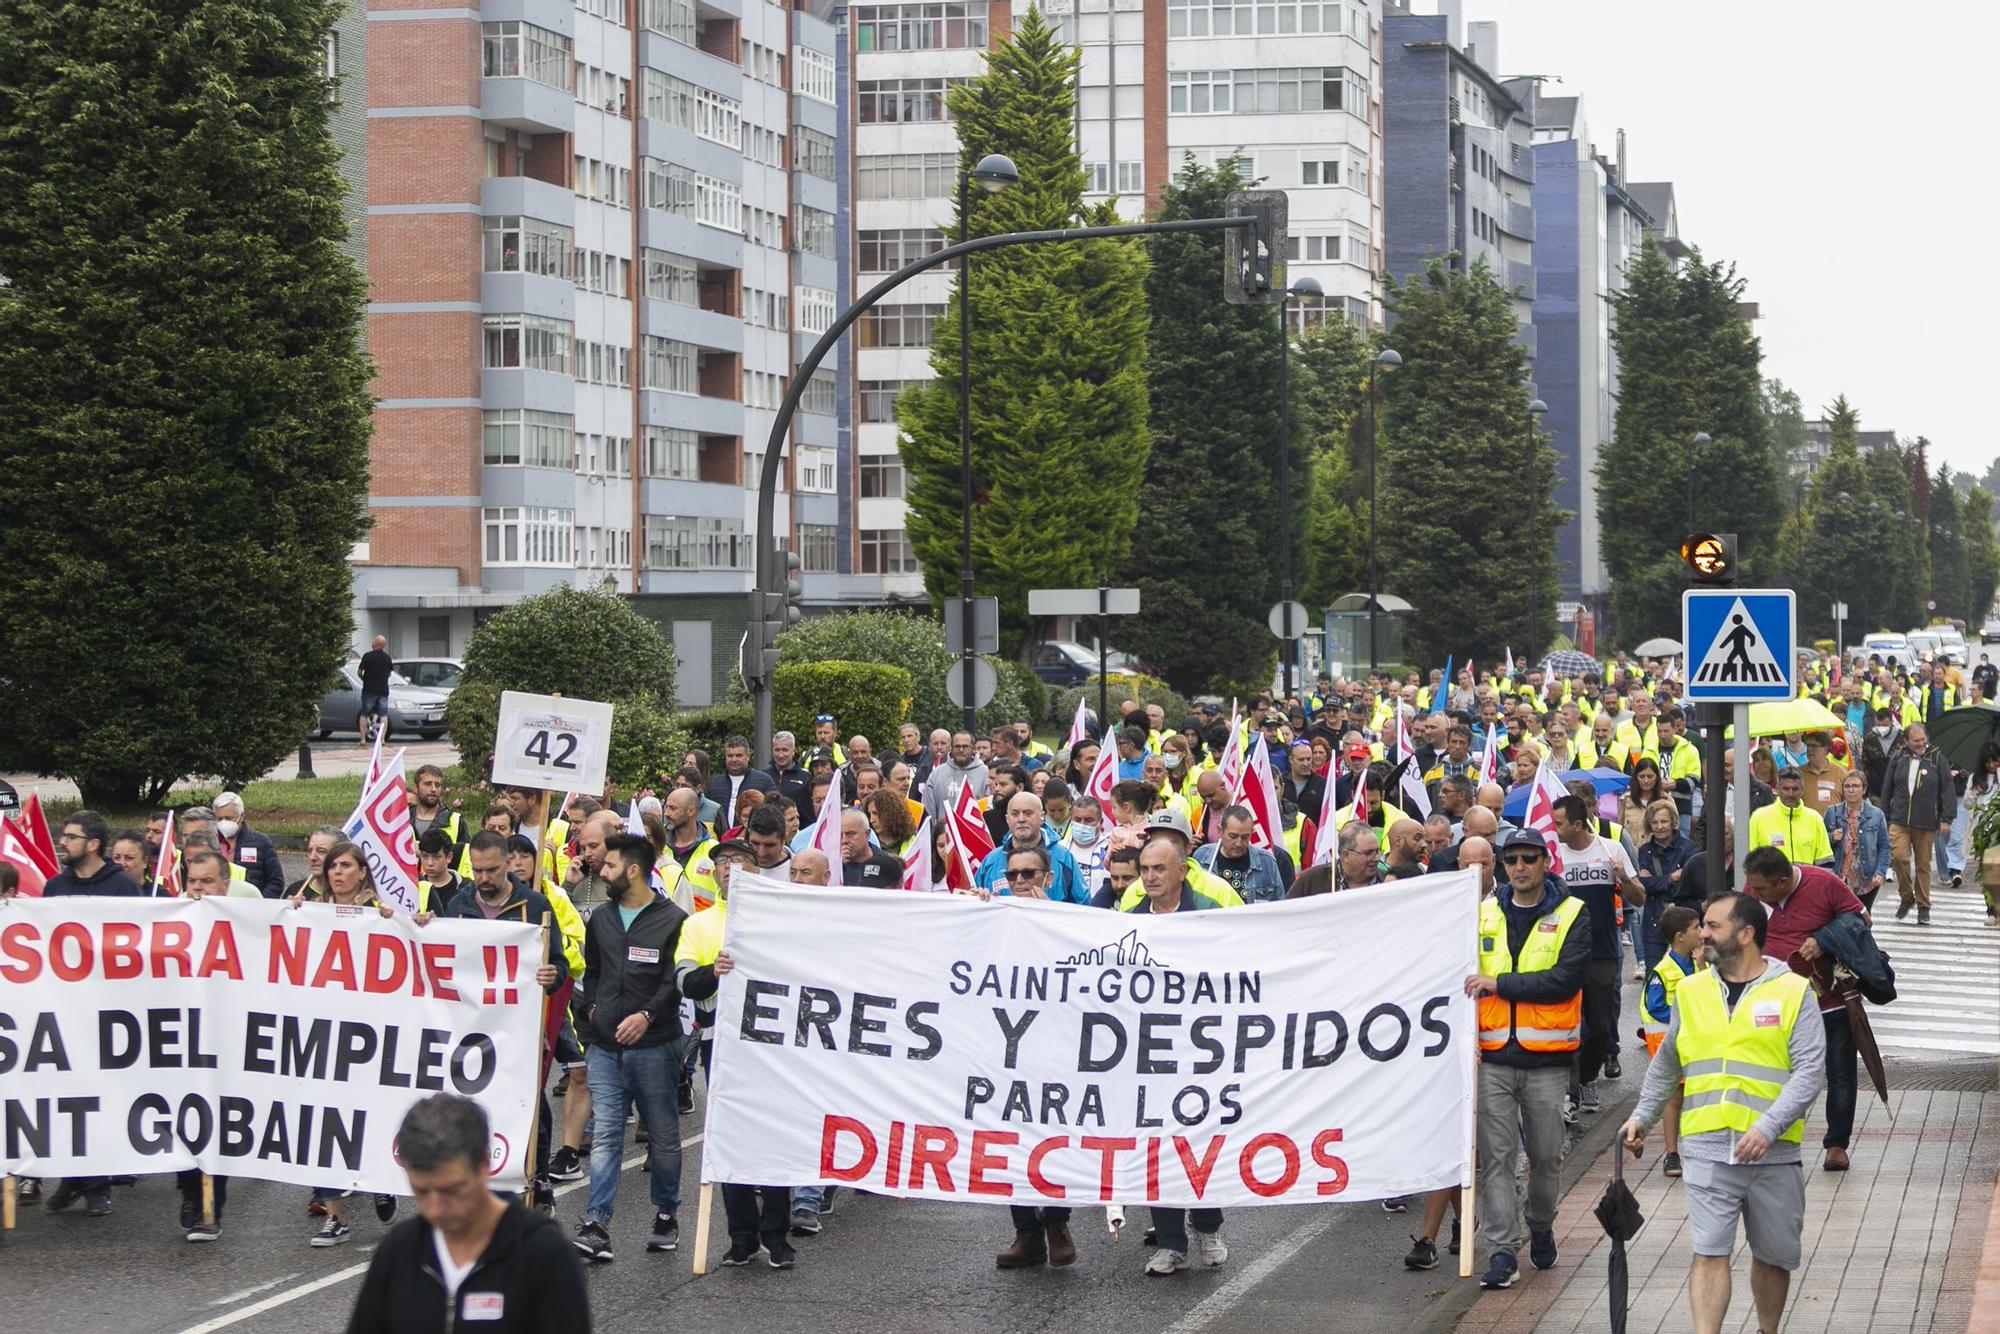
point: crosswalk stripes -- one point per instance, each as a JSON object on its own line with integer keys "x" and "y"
{"x": 1947, "y": 977}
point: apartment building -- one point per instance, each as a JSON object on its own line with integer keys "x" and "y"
{"x": 1290, "y": 88}
{"x": 600, "y": 236}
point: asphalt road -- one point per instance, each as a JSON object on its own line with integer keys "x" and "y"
{"x": 881, "y": 1266}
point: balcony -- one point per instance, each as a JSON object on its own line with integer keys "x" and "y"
{"x": 1520, "y": 278}
{"x": 525, "y": 104}
{"x": 1520, "y": 221}
{"x": 1524, "y": 334}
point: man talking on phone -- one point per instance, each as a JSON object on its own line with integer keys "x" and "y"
{"x": 1752, "y": 1071}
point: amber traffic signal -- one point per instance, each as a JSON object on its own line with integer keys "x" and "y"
{"x": 1710, "y": 557}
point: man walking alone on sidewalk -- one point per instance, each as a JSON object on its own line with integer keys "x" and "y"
{"x": 1752, "y": 1071}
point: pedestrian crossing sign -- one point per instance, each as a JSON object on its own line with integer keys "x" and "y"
{"x": 1741, "y": 644}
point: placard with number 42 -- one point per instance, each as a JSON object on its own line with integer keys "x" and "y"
{"x": 544, "y": 741}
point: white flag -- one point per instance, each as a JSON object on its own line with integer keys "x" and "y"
{"x": 380, "y": 827}
{"x": 1077, "y": 731}
{"x": 826, "y": 832}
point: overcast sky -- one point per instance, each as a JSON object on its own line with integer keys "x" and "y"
{"x": 1840, "y": 153}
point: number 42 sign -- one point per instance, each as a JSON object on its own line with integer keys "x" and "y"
{"x": 545, "y": 741}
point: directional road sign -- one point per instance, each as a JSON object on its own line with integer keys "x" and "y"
{"x": 1742, "y": 644}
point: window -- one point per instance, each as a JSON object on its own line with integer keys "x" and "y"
{"x": 670, "y": 367}
{"x": 766, "y": 310}
{"x": 530, "y": 535}
{"x": 903, "y": 101}
{"x": 905, "y": 175}
{"x": 763, "y": 389}
{"x": 526, "y": 342}
{"x": 604, "y": 363}
{"x": 899, "y": 325}
{"x": 814, "y": 231}
{"x": 603, "y": 548}
{"x": 881, "y": 476}
{"x": 765, "y": 147}
{"x": 601, "y": 88}
{"x": 666, "y": 99}
{"x": 528, "y": 439}
{"x": 718, "y": 119}
{"x": 763, "y": 227}
{"x": 1319, "y": 173}
{"x": 674, "y": 542}
{"x": 671, "y": 277}
{"x": 1312, "y": 249}
{"x": 669, "y": 186}
{"x": 614, "y": 10}
{"x": 887, "y": 551}
{"x": 1262, "y": 18}
{"x": 603, "y": 455}
{"x": 819, "y": 548}
{"x": 718, "y": 203}
{"x": 669, "y": 18}
{"x": 672, "y": 453}
{"x": 599, "y": 272}
{"x": 329, "y": 56}
{"x": 921, "y": 27}
{"x": 815, "y": 307}
{"x": 815, "y": 467}
{"x": 812, "y": 74}
{"x": 763, "y": 64}
{"x": 878, "y": 399}
{"x": 603, "y": 181}
{"x": 889, "y": 249}
{"x": 1249, "y": 91}
{"x": 819, "y": 395}
{"x": 1130, "y": 178}
{"x": 815, "y": 152}
{"x": 527, "y": 245}
{"x": 517, "y": 50}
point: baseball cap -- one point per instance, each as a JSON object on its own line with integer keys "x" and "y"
{"x": 1525, "y": 838}
{"x": 822, "y": 717}
{"x": 1172, "y": 821}
{"x": 1274, "y": 720}
{"x": 819, "y": 753}
{"x": 735, "y": 845}
{"x": 1359, "y": 751}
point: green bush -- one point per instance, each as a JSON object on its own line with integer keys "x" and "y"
{"x": 1123, "y": 686}
{"x": 582, "y": 645}
{"x": 708, "y": 728}
{"x": 1034, "y": 691}
{"x": 896, "y": 639}
{"x": 869, "y": 698}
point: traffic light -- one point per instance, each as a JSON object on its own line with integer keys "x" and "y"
{"x": 771, "y": 614}
{"x": 1710, "y": 558}
{"x": 1253, "y": 258}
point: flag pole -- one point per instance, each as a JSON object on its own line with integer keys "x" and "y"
{"x": 7, "y": 1203}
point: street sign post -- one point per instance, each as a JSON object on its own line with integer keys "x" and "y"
{"x": 1567, "y": 612}
{"x": 985, "y": 626}
{"x": 1742, "y": 644}
{"x": 1288, "y": 620}
{"x": 1100, "y": 602}
{"x": 1840, "y": 632}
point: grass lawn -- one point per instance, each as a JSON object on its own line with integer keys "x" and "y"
{"x": 284, "y": 809}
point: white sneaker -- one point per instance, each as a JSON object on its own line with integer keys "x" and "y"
{"x": 1209, "y": 1249}
{"x": 1166, "y": 1262}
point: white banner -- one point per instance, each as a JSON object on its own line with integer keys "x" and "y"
{"x": 1029, "y": 1052}
{"x": 251, "y": 1038}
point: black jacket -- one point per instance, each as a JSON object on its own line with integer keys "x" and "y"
{"x": 793, "y": 782}
{"x": 627, "y": 972}
{"x": 109, "y": 882}
{"x": 754, "y": 780}
{"x": 258, "y": 856}
{"x": 1552, "y": 984}
{"x": 1848, "y": 939}
{"x": 528, "y": 1281}
{"x": 879, "y": 871}
{"x": 1935, "y": 801}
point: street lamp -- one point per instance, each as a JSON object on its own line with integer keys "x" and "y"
{"x": 1535, "y": 411}
{"x": 995, "y": 172}
{"x": 1306, "y": 289}
{"x": 1700, "y": 438}
{"x": 1388, "y": 359}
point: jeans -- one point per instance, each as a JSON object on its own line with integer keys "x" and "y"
{"x": 1842, "y": 1079}
{"x": 1600, "y": 1017}
{"x": 1027, "y": 1218}
{"x": 1170, "y": 1226}
{"x": 1653, "y": 944}
{"x": 812, "y": 1199}
{"x": 1517, "y": 1105}
{"x": 752, "y": 1220}
{"x": 1952, "y": 848}
{"x": 620, "y": 1076}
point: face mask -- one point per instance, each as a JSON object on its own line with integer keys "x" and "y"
{"x": 1884, "y": 731}
{"x": 1083, "y": 835}
{"x": 227, "y": 828}
{"x": 1171, "y": 760}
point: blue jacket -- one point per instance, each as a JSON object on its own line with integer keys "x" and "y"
{"x": 1873, "y": 858}
{"x": 1656, "y": 990}
{"x": 1656, "y": 866}
{"x": 1265, "y": 882}
{"x": 258, "y": 857}
{"x": 1065, "y": 883}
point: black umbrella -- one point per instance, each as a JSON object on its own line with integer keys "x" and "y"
{"x": 1962, "y": 732}
{"x": 1619, "y": 1212}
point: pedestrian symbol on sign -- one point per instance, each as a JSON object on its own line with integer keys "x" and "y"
{"x": 1738, "y": 655}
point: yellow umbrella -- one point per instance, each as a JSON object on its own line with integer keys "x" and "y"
{"x": 1780, "y": 717}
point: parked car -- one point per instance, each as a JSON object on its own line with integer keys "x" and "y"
{"x": 440, "y": 674}
{"x": 412, "y": 710}
{"x": 1886, "y": 646}
{"x": 1924, "y": 645}
{"x": 1990, "y": 632}
{"x": 1064, "y": 662}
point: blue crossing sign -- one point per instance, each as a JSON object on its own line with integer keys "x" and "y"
{"x": 1742, "y": 644}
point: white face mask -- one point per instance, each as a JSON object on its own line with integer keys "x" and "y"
{"x": 227, "y": 828}
{"x": 1083, "y": 835}
{"x": 1884, "y": 731}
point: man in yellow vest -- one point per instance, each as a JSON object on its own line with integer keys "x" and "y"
{"x": 1752, "y": 1071}
{"x": 1534, "y": 944}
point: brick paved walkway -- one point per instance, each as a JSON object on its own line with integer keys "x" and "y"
{"x": 1893, "y": 1245}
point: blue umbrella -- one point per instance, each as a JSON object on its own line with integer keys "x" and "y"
{"x": 1608, "y": 782}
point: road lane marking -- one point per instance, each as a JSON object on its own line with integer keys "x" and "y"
{"x": 236, "y": 1297}
{"x": 290, "y": 1295}
{"x": 1218, "y": 1303}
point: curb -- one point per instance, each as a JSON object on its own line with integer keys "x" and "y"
{"x": 1445, "y": 1311}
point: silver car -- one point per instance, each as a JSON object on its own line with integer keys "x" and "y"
{"x": 412, "y": 710}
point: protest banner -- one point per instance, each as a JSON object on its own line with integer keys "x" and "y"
{"x": 1027, "y": 1052}
{"x": 251, "y": 1038}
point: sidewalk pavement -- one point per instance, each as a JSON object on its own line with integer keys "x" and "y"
{"x": 1893, "y": 1244}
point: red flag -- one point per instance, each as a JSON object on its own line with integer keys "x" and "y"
{"x": 167, "y": 869}
{"x": 1326, "y": 825}
{"x": 1230, "y": 763}
{"x": 826, "y": 830}
{"x": 1104, "y": 776}
{"x": 1077, "y": 730}
{"x": 969, "y": 834}
{"x": 1541, "y": 816}
{"x": 15, "y": 851}
{"x": 917, "y": 860}
{"x": 35, "y": 828}
{"x": 1259, "y": 797}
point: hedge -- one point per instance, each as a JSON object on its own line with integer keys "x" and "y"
{"x": 1034, "y": 691}
{"x": 1123, "y": 686}
{"x": 869, "y": 698}
{"x": 708, "y": 728}
{"x": 898, "y": 639}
